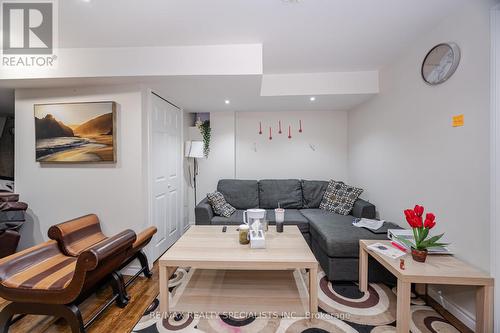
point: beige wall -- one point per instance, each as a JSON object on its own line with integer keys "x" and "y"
{"x": 403, "y": 150}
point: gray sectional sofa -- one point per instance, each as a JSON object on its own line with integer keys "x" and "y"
{"x": 332, "y": 237}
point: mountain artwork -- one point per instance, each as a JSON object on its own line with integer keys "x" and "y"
{"x": 75, "y": 132}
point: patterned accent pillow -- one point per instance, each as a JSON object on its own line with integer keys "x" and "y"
{"x": 220, "y": 205}
{"x": 339, "y": 197}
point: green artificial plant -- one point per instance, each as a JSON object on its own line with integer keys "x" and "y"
{"x": 205, "y": 130}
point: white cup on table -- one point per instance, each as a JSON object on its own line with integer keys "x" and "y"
{"x": 279, "y": 214}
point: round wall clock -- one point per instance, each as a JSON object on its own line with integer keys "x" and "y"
{"x": 440, "y": 63}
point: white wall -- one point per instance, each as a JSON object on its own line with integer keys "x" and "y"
{"x": 495, "y": 154}
{"x": 235, "y": 138}
{"x": 319, "y": 152}
{"x": 403, "y": 150}
{"x": 187, "y": 166}
{"x": 220, "y": 162}
{"x": 57, "y": 193}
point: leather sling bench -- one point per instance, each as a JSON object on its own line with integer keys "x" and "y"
{"x": 54, "y": 277}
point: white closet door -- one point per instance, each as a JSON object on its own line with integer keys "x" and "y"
{"x": 165, "y": 155}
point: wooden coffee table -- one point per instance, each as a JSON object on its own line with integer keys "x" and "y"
{"x": 438, "y": 269}
{"x": 208, "y": 248}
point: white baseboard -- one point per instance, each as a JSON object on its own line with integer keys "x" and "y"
{"x": 131, "y": 270}
{"x": 469, "y": 319}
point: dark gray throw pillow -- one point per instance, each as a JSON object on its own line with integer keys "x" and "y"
{"x": 219, "y": 204}
{"x": 339, "y": 197}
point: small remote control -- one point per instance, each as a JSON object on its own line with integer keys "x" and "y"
{"x": 224, "y": 228}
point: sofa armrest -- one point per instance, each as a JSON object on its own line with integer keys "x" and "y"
{"x": 107, "y": 248}
{"x": 203, "y": 213}
{"x": 363, "y": 209}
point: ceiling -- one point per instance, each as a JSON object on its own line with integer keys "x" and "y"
{"x": 298, "y": 37}
{"x": 208, "y": 93}
{"x": 308, "y": 36}
{"x": 243, "y": 92}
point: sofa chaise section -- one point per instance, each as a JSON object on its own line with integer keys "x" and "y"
{"x": 335, "y": 243}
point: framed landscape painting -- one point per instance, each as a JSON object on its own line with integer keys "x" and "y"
{"x": 75, "y": 132}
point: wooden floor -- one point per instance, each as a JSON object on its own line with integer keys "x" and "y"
{"x": 143, "y": 291}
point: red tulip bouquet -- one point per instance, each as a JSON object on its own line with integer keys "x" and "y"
{"x": 421, "y": 229}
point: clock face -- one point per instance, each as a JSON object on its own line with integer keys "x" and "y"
{"x": 440, "y": 63}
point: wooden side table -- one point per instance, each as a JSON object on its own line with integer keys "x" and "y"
{"x": 438, "y": 269}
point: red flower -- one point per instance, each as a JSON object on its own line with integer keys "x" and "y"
{"x": 410, "y": 215}
{"x": 418, "y": 222}
{"x": 419, "y": 210}
{"x": 414, "y": 216}
{"x": 429, "y": 221}
{"x": 421, "y": 227}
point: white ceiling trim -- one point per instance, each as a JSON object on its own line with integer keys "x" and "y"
{"x": 332, "y": 83}
{"x": 233, "y": 59}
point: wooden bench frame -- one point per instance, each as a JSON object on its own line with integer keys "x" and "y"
{"x": 97, "y": 265}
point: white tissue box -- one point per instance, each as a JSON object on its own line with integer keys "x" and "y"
{"x": 257, "y": 239}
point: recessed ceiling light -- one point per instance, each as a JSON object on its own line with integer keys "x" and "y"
{"x": 227, "y": 101}
{"x": 312, "y": 98}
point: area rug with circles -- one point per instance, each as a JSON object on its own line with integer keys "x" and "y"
{"x": 343, "y": 309}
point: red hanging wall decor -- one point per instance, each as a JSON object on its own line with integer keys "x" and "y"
{"x": 270, "y": 134}
{"x": 289, "y": 131}
{"x": 260, "y": 127}
{"x": 300, "y": 126}
{"x": 279, "y": 127}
